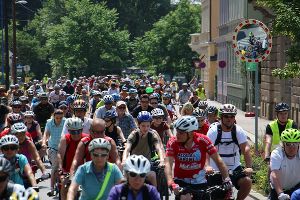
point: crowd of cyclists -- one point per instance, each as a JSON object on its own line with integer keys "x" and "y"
{"x": 110, "y": 137}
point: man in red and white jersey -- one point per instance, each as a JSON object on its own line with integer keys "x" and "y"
{"x": 188, "y": 150}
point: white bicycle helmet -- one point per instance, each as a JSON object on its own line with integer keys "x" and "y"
{"x": 199, "y": 113}
{"x": 137, "y": 164}
{"x": 9, "y": 139}
{"x": 99, "y": 143}
{"x": 5, "y": 166}
{"x": 228, "y": 109}
{"x": 186, "y": 123}
{"x": 202, "y": 104}
{"x": 80, "y": 104}
{"x": 108, "y": 99}
{"x": 29, "y": 113}
{"x": 74, "y": 123}
{"x": 157, "y": 112}
{"x": 18, "y": 128}
{"x": 103, "y": 93}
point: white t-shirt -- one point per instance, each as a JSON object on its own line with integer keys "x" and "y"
{"x": 86, "y": 126}
{"x": 289, "y": 168}
{"x": 53, "y": 98}
{"x": 232, "y": 162}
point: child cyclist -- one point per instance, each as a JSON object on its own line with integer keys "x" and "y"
{"x": 162, "y": 128}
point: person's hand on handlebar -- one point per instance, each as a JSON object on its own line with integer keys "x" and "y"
{"x": 174, "y": 187}
{"x": 209, "y": 169}
{"x": 248, "y": 171}
{"x": 227, "y": 184}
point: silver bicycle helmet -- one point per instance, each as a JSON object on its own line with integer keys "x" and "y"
{"x": 29, "y": 113}
{"x": 9, "y": 139}
{"x": 202, "y": 104}
{"x": 99, "y": 143}
{"x": 186, "y": 124}
{"x": 228, "y": 109}
{"x": 199, "y": 113}
{"x": 5, "y": 165}
{"x": 18, "y": 128}
{"x": 74, "y": 123}
{"x": 157, "y": 112}
{"x": 137, "y": 164}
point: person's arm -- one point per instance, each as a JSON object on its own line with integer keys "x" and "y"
{"x": 61, "y": 152}
{"x": 220, "y": 164}
{"x": 120, "y": 134}
{"x": 36, "y": 157}
{"x": 39, "y": 132}
{"x": 275, "y": 176}
{"x": 113, "y": 154}
{"x": 245, "y": 149}
{"x": 268, "y": 145}
{"x": 29, "y": 174}
{"x": 161, "y": 153}
{"x": 169, "y": 133}
{"x": 72, "y": 190}
{"x": 126, "y": 152}
{"x": 78, "y": 158}
{"x": 45, "y": 139}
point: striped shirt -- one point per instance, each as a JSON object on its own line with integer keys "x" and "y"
{"x": 55, "y": 132}
{"x": 126, "y": 123}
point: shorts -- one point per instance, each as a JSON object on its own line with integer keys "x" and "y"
{"x": 237, "y": 175}
{"x": 52, "y": 156}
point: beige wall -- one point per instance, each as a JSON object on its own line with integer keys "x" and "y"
{"x": 215, "y": 18}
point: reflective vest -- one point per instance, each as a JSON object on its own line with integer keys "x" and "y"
{"x": 275, "y": 130}
{"x": 201, "y": 94}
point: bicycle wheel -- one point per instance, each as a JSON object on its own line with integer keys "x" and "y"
{"x": 162, "y": 185}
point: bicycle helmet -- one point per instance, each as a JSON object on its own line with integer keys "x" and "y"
{"x": 280, "y": 107}
{"x": 110, "y": 114}
{"x": 202, "y": 104}
{"x": 30, "y": 92}
{"x": 149, "y": 90}
{"x": 103, "y": 93}
{"x": 29, "y": 113}
{"x": 108, "y": 99}
{"x": 167, "y": 95}
{"x": 96, "y": 93}
{"x": 290, "y": 135}
{"x": 116, "y": 97}
{"x": 43, "y": 95}
{"x": 5, "y": 165}
{"x": 137, "y": 164}
{"x": 9, "y": 139}
{"x": 22, "y": 194}
{"x": 199, "y": 113}
{"x": 124, "y": 88}
{"x": 15, "y": 103}
{"x": 80, "y": 104}
{"x": 228, "y": 109}
{"x": 144, "y": 116}
{"x": 186, "y": 124}
{"x": 74, "y": 123}
{"x": 14, "y": 118}
{"x": 19, "y": 127}
{"x": 4, "y": 101}
{"x": 212, "y": 109}
{"x": 99, "y": 143}
{"x": 154, "y": 96}
{"x": 157, "y": 112}
{"x": 132, "y": 91}
{"x": 23, "y": 98}
{"x": 71, "y": 99}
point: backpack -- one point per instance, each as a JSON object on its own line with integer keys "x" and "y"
{"x": 137, "y": 138}
{"x": 125, "y": 190}
{"x": 233, "y": 136}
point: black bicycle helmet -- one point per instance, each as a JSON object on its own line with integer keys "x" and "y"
{"x": 280, "y": 107}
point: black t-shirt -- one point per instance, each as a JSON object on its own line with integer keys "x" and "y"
{"x": 3, "y": 112}
{"x": 280, "y": 127}
{"x": 138, "y": 109}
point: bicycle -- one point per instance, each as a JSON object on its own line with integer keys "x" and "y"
{"x": 162, "y": 185}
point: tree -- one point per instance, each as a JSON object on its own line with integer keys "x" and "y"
{"x": 165, "y": 47}
{"x": 86, "y": 41}
{"x": 286, "y": 22}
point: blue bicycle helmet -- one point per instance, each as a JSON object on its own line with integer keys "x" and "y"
{"x": 154, "y": 96}
{"x": 110, "y": 114}
{"x": 144, "y": 116}
{"x": 116, "y": 97}
{"x": 167, "y": 95}
{"x": 108, "y": 99}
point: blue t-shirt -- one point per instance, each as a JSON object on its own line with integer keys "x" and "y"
{"x": 55, "y": 132}
{"x": 91, "y": 185}
{"x": 18, "y": 164}
{"x": 115, "y": 193}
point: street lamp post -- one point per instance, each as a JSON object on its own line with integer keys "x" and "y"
{"x": 14, "y": 56}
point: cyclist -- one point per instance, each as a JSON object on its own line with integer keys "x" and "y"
{"x": 67, "y": 148}
{"x": 6, "y": 186}
{"x": 201, "y": 92}
{"x": 97, "y": 176}
{"x": 285, "y": 160}
{"x": 202, "y": 123}
{"x": 94, "y": 101}
{"x": 187, "y": 109}
{"x": 194, "y": 99}
{"x": 16, "y": 106}
{"x": 189, "y": 150}
{"x": 43, "y": 110}
{"x": 154, "y": 102}
{"x": 135, "y": 169}
{"x": 162, "y": 128}
{"x": 97, "y": 131}
{"x": 184, "y": 94}
{"x": 132, "y": 100}
{"x": 21, "y": 167}
{"x": 168, "y": 104}
{"x": 202, "y": 105}
{"x": 275, "y": 128}
{"x": 212, "y": 114}
{"x": 4, "y": 111}
{"x": 112, "y": 130}
{"x": 22, "y": 194}
{"x": 80, "y": 108}
{"x": 142, "y": 141}
{"x": 144, "y": 106}
{"x": 108, "y": 106}
{"x": 231, "y": 141}
{"x": 33, "y": 128}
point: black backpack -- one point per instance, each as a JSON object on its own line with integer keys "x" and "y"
{"x": 125, "y": 190}
{"x": 150, "y": 138}
{"x": 233, "y": 136}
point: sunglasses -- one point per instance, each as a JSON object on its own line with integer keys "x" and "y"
{"x": 3, "y": 178}
{"x": 132, "y": 174}
{"x": 290, "y": 144}
{"x": 102, "y": 155}
{"x": 229, "y": 116}
{"x": 11, "y": 147}
{"x": 75, "y": 132}
{"x": 97, "y": 132}
{"x": 123, "y": 108}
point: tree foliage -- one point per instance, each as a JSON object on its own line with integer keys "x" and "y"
{"x": 286, "y": 22}
{"x": 165, "y": 47}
